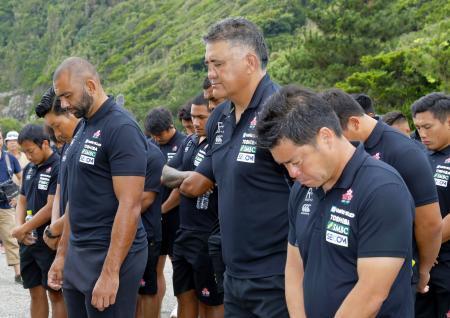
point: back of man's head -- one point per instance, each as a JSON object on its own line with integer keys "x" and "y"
{"x": 240, "y": 31}
{"x": 158, "y": 120}
{"x": 365, "y": 102}
{"x": 78, "y": 68}
{"x": 343, "y": 105}
{"x": 436, "y": 103}
{"x": 49, "y": 104}
{"x": 296, "y": 114}
{"x": 393, "y": 117}
{"x": 184, "y": 113}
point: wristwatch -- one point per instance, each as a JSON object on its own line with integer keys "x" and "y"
{"x": 49, "y": 233}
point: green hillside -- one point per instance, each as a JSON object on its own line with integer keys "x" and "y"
{"x": 151, "y": 51}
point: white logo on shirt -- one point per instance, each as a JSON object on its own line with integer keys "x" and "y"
{"x": 336, "y": 239}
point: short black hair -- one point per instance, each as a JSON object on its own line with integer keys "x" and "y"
{"x": 297, "y": 114}
{"x": 158, "y": 120}
{"x": 393, "y": 117}
{"x": 365, "y": 102}
{"x": 34, "y": 133}
{"x": 184, "y": 113}
{"x": 200, "y": 100}
{"x": 206, "y": 83}
{"x": 242, "y": 31}
{"x": 343, "y": 105}
{"x": 436, "y": 103}
{"x": 49, "y": 103}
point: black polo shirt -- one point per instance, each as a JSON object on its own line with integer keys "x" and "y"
{"x": 110, "y": 144}
{"x": 368, "y": 213}
{"x": 152, "y": 217}
{"x": 62, "y": 176}
{"x": 169, "y": 150}
{"x": 440, "y": 162}
{"x": 38, "y": 183}
{"x": 410, "y": 160}
{"x": 389, "y": 145}
{"x": 188, "y": 157}
{"x": 253, "y": 192}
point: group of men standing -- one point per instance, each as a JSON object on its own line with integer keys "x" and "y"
{"x": 321, "y": 210}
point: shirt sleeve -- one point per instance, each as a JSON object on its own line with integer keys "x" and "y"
{"x": 155, "y": 165}
{"x": 15, "y": 165}
{"x": 416, "y": 171}
{"x": 53, "y": 179}
{"x": 177, "y": 160}
{"x": 386, "y": 222}
{"x": 205, "y": 167}
{"x": 22, "y": 186}
{"x": 127, "y": 151}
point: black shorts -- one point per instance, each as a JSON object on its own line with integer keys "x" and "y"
{"x": 35, "y": 262}
{"x": 78, "y": 302}
{"x": 192, "y": 267}
{"x": 149, "y": 282}
{"x": 255, "y": 297}
{"x": 215, "y": 252}
{"x": 170, "y": 222}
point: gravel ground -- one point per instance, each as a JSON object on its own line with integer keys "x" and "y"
{"x": 15, "y": 301}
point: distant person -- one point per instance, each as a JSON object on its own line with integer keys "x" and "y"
{"x": 13, "y": 148}
{"x": 36, "y": 200}
{"x": 159, "y": 126}
{"x": 194, "y": 282}
{"x": 208, "y": 93}
{"x": 389, "y": 145}
{"x": 103, "y": 251}
{"x": 397, "y": 120}
{"x": 431, "y": 115}
{"x": 184, "y": 116}
{"x": 350, "y": 216}
{"x": 9, "y": 169}
{"x": 366, "y": 103}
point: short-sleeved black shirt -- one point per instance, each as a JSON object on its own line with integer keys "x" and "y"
{"x": 152, "y": 217}
{"x": 38, "y": 182}
{"x": 409, "y": 159}
{"x": 440, "y": 162}
{"x": 62, "y": 176}
{"x": 110, "y": 144}
{"x": 189, "y": 156}
{"x": 253, "y": 190}
{"x": 169, "y": 150}
{"x": 389, "y": 145}
{"x": 368, "y": 213}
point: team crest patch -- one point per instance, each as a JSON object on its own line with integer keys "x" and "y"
{"x": 49, "y": 169}
{"x": 205, "y": 292}
{"x": 347, "y": 196}
{"x": 174, "y": 148}
{"x": 96, "y": 135}
{"x": 377, "y": 156}
{"x": 447, "y": 160}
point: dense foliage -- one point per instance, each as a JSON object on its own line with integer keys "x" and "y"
{"x": 151, "y": 50}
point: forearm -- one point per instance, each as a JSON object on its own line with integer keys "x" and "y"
{"x": 56, "y": 213}
{"x": 172, "y": 178}
{"x": 428, "y": 234}
{"x": 446, "y": 229}
{"x": 195, "y": 185}
{"x": 57, "y": 227}
{"x": 64, "y": 241}
{"x": 21, "y": 210}
{"x": 361, "y": 302}
{"x": 294, "y": 293}
{"x": 122, "y": 236}
{"x": 172, "y": 201}
{"x": 41, "y": 217}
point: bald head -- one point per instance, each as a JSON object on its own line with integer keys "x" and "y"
{"x": 77, "y": 69}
